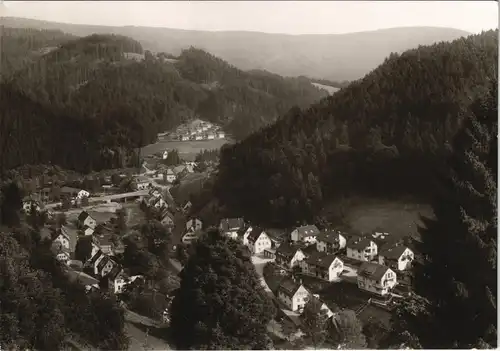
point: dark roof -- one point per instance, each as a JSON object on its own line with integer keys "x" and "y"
{"x": 254, "y": 234}
{"x": 309, "y": 249}
{"x": 372, "y": 270}
{"x": 228, "y": 224}
{"x": 392, "y": 252}
{"x": 358, "y": 243}
{"x": 289, "y": 287}
{"x": 242, "y": 231}
{"x": 321, "y": 259}
{"x": 331, "y": 237}
{"x": 307, "y": 230}
{"x": 102, "y": 263}
{"x": 166, "y": 212}
{"x": 83, "y": 216}
{"x": 287, "y": 250}
{"x": 81, "y": 277}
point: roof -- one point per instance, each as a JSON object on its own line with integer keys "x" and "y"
{"x": 142, "y": 179}
{"x": 392, "y": 252}
{"x": 286, "y": 249}
{"x": 289, "y": 287}
{"x": 81, "y": 277}
{"x": 372, "y": 270}
{"x": 331, "y": 237}
{"x": 83, "y": 216}
{"x": 227, "y": 224}
{"x": 103, "y": 263}
{"x": 358, "y": 243}
{"x": 254, "y": 234}
{"x": 307, "y": 230}
{"x": 166, "y": 213}
{"x": 170, "y": 172}
{"x": 179, "y": 169}
{"x": 321, "y": 259}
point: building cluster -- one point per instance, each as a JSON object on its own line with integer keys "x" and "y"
{"x": 198, "y": 130}
{"x": 162, "y": 205}
{"x": 99, "y": 269}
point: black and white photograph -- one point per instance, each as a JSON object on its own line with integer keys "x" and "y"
{"x": 248, "y": 175}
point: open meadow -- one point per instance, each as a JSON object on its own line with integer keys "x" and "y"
{"x": 187, "y": 149}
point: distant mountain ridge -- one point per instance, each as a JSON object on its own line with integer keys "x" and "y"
{"x": 326, "y": 56}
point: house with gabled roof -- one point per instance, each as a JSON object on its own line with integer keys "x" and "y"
{"x": 289, "y": 255}
{"x": 191, "y": 236}
{"x": 194, "y": 222}
{"x": 87, "y": 231}
{"x": 231, "y": 225}
{"x": 329, "y": 307}
{"x": 324, "y": 266}
{"x": 85, "y": 219}
{"x": 376, "y": 278}
{"x": 167, "y": 218}
{"x": 331, "y": 241}
{"x": 293, "y": 294}
{"x": 169, "y": 176}
{"x": 258, "y": 241}
{"x": 397, "y": 257}
{"x": 187, "y": 206}
{"x": 361, "y": 248}
{"x": 305, "y": 233}
{"x": 66, "y": 239}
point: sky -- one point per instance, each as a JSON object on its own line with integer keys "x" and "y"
{"x": 290, "y": 17}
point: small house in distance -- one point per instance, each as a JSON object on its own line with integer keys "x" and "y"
{"x": 196, "y": 223}
{"x": 376, "y": 278}
{"x": 231, "y": 225}
{"x": 397, "y": 257}
{"x": 142, "y": 183}
{"x": 84, "y": 219}
{"x": 324, "y": 266}
{"x": 305, "y": 233}
{"x": 330, "y": 242}
{"x": 293, "y": 294}
{"x": 361, "y": 249}
{"x": 258, "y": 241}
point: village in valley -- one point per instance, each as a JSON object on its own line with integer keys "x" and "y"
{"x": 364, "y": 274}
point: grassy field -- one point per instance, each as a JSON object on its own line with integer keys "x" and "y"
{"x": 399, "y": 218}
{"x": 187, "y": 149}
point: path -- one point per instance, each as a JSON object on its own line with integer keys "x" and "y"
{"x": 259, "y": 264}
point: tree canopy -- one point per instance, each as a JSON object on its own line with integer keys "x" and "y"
{"x": 220, "y": 303}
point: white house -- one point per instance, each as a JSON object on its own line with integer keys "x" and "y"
{"x": 288, "y": 255}
{"x": 88, "y": 231}
{"x": 82, "y": 193}
{"x": 160, "y": 203}
{"x": 330, "y": 242}
{"x": 165, "y": 154}
{"x": 231, "y": 225}
{"x": 306, "y": 233}
{"x": 169, "y": 176}
{"x": 84, "y": 219}
{"x": 198, "y": 137}
{"x": 293, "y": 294}
{"x": 30, "y": 204}
{"x": 210, "y": 136}
{"x": 121, "y": 281}
{"x": 361, "y": 249}
{"x": 185, "y": 138}
{"x": 63, "y": 238}
{"x": 142, "y": 183}
{"x": 258, "y": 241}
{"x": 397, "y": 257}
{"x": 376, "y": 278}
{"x": 330, "y": 310}
{"x": 167, "y": 218}
{"x": 196, "y": 223}
{"x": 221, "y": 135}
{"x": 324, "y": 266}
{"x": 246, "y": 233}
{"x": 187, "y": 206}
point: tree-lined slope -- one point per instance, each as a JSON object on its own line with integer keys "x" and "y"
{"x": 380, "y": 135}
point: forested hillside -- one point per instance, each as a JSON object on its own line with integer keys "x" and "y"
{"x": 384, "y": 134}
{"x": 105, "y": 96}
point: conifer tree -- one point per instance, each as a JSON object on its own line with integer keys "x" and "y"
{"x": 457, "y": 272}
{"x": 220, "y": 303}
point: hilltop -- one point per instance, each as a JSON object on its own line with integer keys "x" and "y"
{"x": 124, "y": 95}
{"x": 382, "y": 135}
{"x": 336, "y": 57}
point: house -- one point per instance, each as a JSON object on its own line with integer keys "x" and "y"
{"x": 289, "y": 255}
{"x": 180, "y": 171}
{"x": 258, "y": 241}
{"x": 293, "y": 294}
{"x": 221, "y": 135}
{"x": 62, "y": 237}
{"x": 306, "y": 233}
{"x": 105, "y": 265}
{"x": 159, "y": 203}
{"x": 154, "y": 192}
{"x": 31, "y": 204}
{"x": 84, "y": 219}
{"x": 69, "y": 191}
{"x": 190, "y": 236}
{"x": 210, "y": 136}
{"x": 187, "y": 206}
{"x": 105, "y": 243}
{"x": 82, "y": 193}
{"x": 198, "y": 137}
{"x": 375, "y": 278}
{"x": 167, "y": 218}
{"x": 361, "y": 249}
{"x": 122, "y": 280}
{"x": 322, "y": 265}
{"x": 196, "y": 223}
{"x": 142, "y": 183}
{"x": 231, "y": 225}
{"x": 397, "y": 257}
{"x": 331, "y": 309}
{"x": 88, "y": 231}
{"x": 184, "y": 137}
{"x": 330, "y": 242}
{"x": 169, "y": 176}
{"x": 165, "y": 154}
